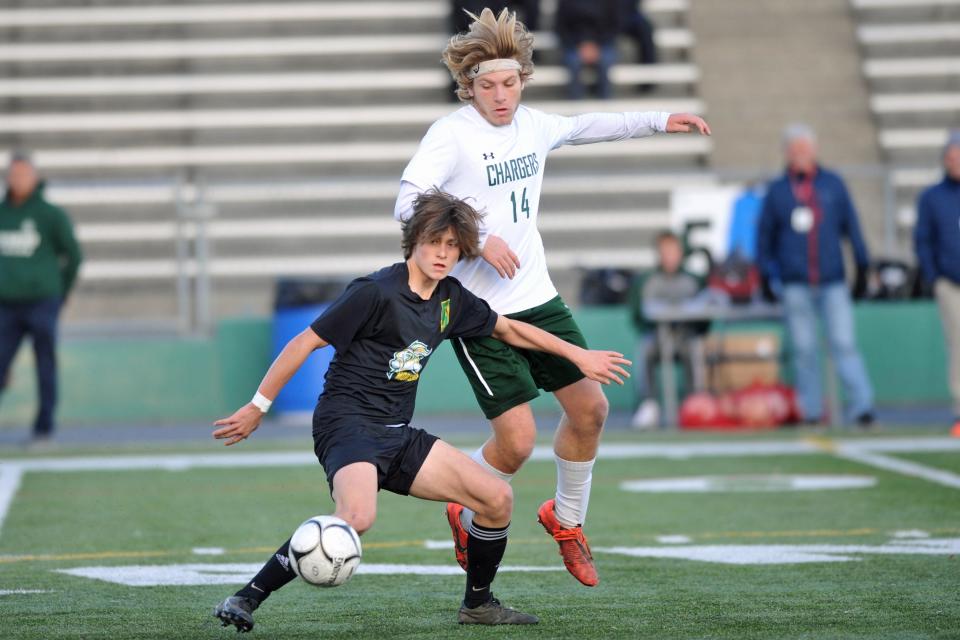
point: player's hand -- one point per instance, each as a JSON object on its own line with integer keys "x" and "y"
{"x": 239, "y": 426}
{"x": 687, "y": 122}
{"x": 497, "y": 252}
{"x": 604, "y": 366}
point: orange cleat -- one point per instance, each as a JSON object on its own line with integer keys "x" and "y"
{"x": 459, "y": 533}
{"x": 955, "y": 431}
{"x": 574, "y": 547}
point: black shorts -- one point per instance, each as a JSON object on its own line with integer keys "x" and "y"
{"x": 396, "y": 452}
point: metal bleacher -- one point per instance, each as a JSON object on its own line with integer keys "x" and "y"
{"x": 294, "y": 120}
{"x": 911, "y": 53}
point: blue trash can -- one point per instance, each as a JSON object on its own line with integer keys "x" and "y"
{"x": 298, "y": 303}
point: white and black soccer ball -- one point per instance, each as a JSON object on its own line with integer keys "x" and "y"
{"x": 325, "y": 551}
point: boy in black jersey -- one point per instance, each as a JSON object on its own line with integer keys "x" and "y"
{"x": 384, "y": 328}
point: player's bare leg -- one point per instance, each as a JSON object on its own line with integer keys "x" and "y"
{"x": 448, "y": 475}
{"x": 514, "y": 435}
{"x": 575, "y": 450}
{"x": 355, "y": 493}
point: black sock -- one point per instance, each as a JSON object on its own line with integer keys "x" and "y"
{"x": 485, "y": 547}
{"x": 274, "y": 574}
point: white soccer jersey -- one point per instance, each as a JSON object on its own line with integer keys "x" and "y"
{"x": 499, "y": 170}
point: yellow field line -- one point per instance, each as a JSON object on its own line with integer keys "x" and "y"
{"x": 822, "y": 443}
{"x": 412, "y": 544}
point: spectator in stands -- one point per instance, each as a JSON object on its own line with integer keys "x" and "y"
{"x": 806, "y": 214}
{"x": 937, "y": 241}
{"x": 39, "y": 259}
{"x": 669, "y": 284}
{"x": 587, "y": 31}
{"x": 636, "y": 25}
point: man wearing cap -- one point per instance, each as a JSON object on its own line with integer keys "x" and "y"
{"x": 806, "y": 214}
{"x": 39, "y": 259}
{"x": 492, "y": 152}
{"x": 937, "y": 241}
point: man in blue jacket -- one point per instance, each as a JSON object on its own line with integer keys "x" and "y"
{"x": 937, "y": 241}
{"x": 806, "y": 214}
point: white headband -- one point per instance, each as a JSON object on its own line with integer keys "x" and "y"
{"x": 489, "y": 66}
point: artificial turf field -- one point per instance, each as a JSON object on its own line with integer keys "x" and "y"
{"x": 750, "y": 558}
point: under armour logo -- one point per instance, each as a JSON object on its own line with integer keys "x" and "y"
{"x": 488, "y": 156}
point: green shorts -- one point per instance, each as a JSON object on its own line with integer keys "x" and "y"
{"x": 504, "y": 377}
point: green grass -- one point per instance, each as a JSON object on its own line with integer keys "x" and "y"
{"x": 122, "y": 518}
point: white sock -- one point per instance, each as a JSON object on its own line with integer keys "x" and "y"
{"x": 573, "y": 491}
{"x": 466, "y": 517}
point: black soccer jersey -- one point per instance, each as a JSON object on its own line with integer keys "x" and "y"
{"x": 383, "y": 334}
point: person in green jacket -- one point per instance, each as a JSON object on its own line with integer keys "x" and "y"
{"x": 39, "y": 260}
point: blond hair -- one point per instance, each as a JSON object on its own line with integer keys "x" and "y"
{"x": 489, "y": 38}
{"x": 433, "y": 213}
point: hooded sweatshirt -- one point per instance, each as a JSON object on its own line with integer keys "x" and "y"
{"x": 39, "y": 254}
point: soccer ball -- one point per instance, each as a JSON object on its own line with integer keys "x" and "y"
{"x": 325, "y": 551}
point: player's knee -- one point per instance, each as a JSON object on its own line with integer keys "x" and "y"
{"x": 499, "y": 503}
{"x": 516, "y": 451}
{"x": 593, "y": 415}
{"x": 360, "y": 519}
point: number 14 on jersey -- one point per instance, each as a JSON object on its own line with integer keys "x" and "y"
{"x": 524, "y": 203}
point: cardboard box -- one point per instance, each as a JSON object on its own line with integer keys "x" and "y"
{"x": 737, "y": 360}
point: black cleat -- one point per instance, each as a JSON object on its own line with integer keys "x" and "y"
{"x": 492, "y": 612}
{"x": 237, "y": 611}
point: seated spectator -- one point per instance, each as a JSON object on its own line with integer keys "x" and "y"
{"x": 587, "y": 30}
{"x": 635, "y": 25}
{"x": 669, "y": 284}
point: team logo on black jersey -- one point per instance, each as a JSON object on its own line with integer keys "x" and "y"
{"x": 405, "y": 365}
{"x": 444, "y": 314}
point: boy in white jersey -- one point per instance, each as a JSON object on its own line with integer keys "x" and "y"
{"x": 492, "y": 152}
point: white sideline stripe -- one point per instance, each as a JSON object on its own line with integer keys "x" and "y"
{"x": 270, "y": 118}
{"x": 10, "y": 476}
{"x": 913, "y": 138}
{"x": 772, "y": 554}
{"x": 476, "y": 370}
{"x": 18, "y": 592}
{"x": 345, "y": 265}
{"x": 250, "y": 12}
{"x": 607, "y": 451}
{"x": 909, "y": 33}
{"x": 903, "y": 467}
{"x": 910, "y": 67}
{"x": 100, "y": 194}
{"x": 915, "y": 102}
{"x": 233, "y": 155}
{"x": 403, "y": 80}
{"x": 12, "y": 470}
{"x": 261, "y": 47}
{"x": 239, "y": 573}
{"x": 353, "y": 227}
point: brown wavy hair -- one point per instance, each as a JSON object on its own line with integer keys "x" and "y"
{"x": 434, "y": 212}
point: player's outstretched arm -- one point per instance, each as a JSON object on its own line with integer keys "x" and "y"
{"x": 687, "y": 122}
{"x": 246, "y": 419}
{"x": 603, "y": 366}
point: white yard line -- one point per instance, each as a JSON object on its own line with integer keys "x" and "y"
{"x": 857, "y": 450}
{"x": 903, "y": 467}
{"x": 10, "y": 475}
